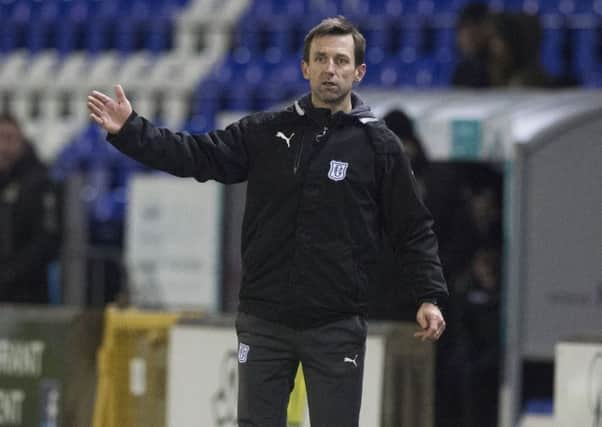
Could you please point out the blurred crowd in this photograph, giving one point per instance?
(500, 49)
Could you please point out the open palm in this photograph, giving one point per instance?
(108, 113)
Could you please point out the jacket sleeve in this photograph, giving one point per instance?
(408, 224)
(219, 155)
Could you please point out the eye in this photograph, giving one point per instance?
(342, 60)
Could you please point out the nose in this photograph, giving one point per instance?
(330, 66)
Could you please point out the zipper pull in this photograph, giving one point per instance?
(321, 135)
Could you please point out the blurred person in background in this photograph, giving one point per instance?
(472, 39)
(514, 46)
(29, 218)
(401, 125)
(473, 209)
(477, 220)
(478, 353)
(326, 180)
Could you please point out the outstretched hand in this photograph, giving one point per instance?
(108, 113)
(431, 321)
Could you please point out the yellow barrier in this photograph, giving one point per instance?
(132, 369)
(297, 402)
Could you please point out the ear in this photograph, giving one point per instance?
(360, 72)
(305, 69)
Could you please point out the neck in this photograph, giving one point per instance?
(343, 104)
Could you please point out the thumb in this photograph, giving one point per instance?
(120, 94)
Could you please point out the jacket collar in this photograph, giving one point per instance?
(360, 111)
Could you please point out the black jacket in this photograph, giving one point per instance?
(29, 230)
(322, 189)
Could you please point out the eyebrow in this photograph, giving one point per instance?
(337, 56)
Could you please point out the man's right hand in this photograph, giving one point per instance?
(108, 113)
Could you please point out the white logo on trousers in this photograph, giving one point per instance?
(350, 360)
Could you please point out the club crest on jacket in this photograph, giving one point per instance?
(243, 352)
(338, 170)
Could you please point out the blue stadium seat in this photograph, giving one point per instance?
(587, 51)
(372, 77)
(274, 37)
(391, 72)
(444, 44)
(287, 72)
(593, 79)
(72, 26)
(375, 32)
(588, 6)
(385, 8)
(267, 95)
(562, 7)
(410, 40)
(81, 153)
(551, 51)
(325, 8)
(422, 73)
(256, 70)
(158, 36)
(246, 36)
(6, 8)
(516, 5)
(12, 35)
(206, 99)
(237, 96)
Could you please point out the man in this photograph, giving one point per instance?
(325, 180)
(29, 219)
(472, 36)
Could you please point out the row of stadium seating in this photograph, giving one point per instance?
(97, 25)
(92, 25)
(208, 55)
(267, 9)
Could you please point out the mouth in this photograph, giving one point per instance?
(330, 85)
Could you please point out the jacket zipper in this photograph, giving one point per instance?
(298, 158)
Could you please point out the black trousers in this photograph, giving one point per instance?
(333, 364)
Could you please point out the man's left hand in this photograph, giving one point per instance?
(431, 321)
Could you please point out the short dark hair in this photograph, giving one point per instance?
(337, 26)
(473, 13)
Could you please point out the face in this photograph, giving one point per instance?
(331, 71)
(11, 145)
(471, 38)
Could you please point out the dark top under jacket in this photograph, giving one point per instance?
(323, 189)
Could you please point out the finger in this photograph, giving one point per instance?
(120, 94)
(96, 102)
(97, 119)
(101, 96)
(425, 336)
(421, 320)
(95, 109)
(435, 328)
